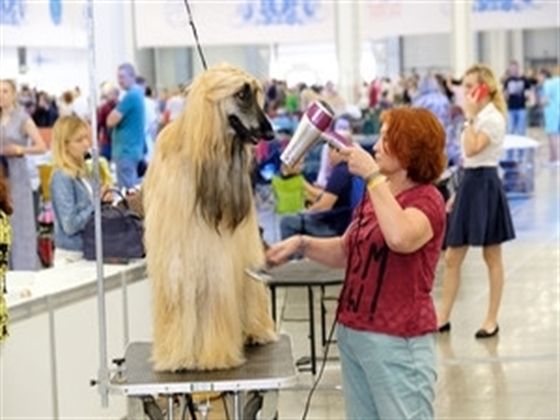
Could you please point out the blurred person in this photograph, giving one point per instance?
(151, 119)
(479, 211)
(19, 137)
(66, 104)
(70, 187)
(431, 97)
(175, 104)
(331, 211)
(44, 114)
(127, 121)
(5, 244)
(341, 126)
(109, 99)
(81, 105)
(516, 88)
(334, 98)
(385, 317)
(550, 101)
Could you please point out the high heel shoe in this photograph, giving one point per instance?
(445, 327)
(482, 333)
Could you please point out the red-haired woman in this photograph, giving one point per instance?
(5, 244)
(386, 317)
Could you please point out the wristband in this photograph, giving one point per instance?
(373, 180)
(19, 151)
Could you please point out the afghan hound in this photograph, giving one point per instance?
(201, 228)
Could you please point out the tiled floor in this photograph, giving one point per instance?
(515, 375)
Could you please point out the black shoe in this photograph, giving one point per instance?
(482, 333)
(445, 327)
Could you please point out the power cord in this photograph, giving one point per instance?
(321, 370)
(331, 332)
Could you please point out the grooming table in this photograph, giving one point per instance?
(306, 273)
(268, 367)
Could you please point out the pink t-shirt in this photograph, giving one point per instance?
(385, 291)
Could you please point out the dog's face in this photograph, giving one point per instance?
(245, 115)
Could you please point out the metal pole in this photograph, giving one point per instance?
(124, 287)
(103, 374)
(54, 368)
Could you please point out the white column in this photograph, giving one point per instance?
(110, 39)
(516, 48)
(496, 48)
(462, 38)
(348, 36)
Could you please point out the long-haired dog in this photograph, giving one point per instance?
(201, 227)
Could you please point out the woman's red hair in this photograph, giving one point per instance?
(5, 199)
(417, 139)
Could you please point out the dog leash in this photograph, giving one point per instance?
(195, 34)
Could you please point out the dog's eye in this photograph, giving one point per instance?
(245, 93)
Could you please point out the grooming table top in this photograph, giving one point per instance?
(267, 367)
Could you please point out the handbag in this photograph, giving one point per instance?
(122, 233)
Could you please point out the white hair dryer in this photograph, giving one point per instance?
(313, 125)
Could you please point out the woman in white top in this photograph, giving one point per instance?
(479, 212)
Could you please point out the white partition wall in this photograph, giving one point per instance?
(53, 352)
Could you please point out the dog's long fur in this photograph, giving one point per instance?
(202, 231)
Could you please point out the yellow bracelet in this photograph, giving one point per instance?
(374, 180)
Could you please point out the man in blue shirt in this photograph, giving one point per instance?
(127, 121)
(331, 212)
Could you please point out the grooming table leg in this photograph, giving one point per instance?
(170, 407)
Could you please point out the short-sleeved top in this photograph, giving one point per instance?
(339, 184)
(491, 122)
(128, 136)
(289, 192)
(515, 86)
(385, 291)
(551, 92)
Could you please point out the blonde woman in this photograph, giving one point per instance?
(19, 137)
(70, 187)
(479, 213)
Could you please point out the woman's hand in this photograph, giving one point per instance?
(472, 107)
(280, 252)
(449, 203)
(11, 149)
(360, 162)
(106, 194)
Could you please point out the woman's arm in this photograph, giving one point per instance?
(38, 145)
(326, 251)
(311, 191)
(404, 230)
(72, 215)
(474, 142)
(325, 201)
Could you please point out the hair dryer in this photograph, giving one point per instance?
(313, 125)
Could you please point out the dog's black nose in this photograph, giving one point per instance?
(267, 132)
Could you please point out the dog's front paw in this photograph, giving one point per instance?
(266, 336)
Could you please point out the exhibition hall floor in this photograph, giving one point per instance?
(513, 375)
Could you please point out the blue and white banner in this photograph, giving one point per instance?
(41, 23)
(234, 22)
